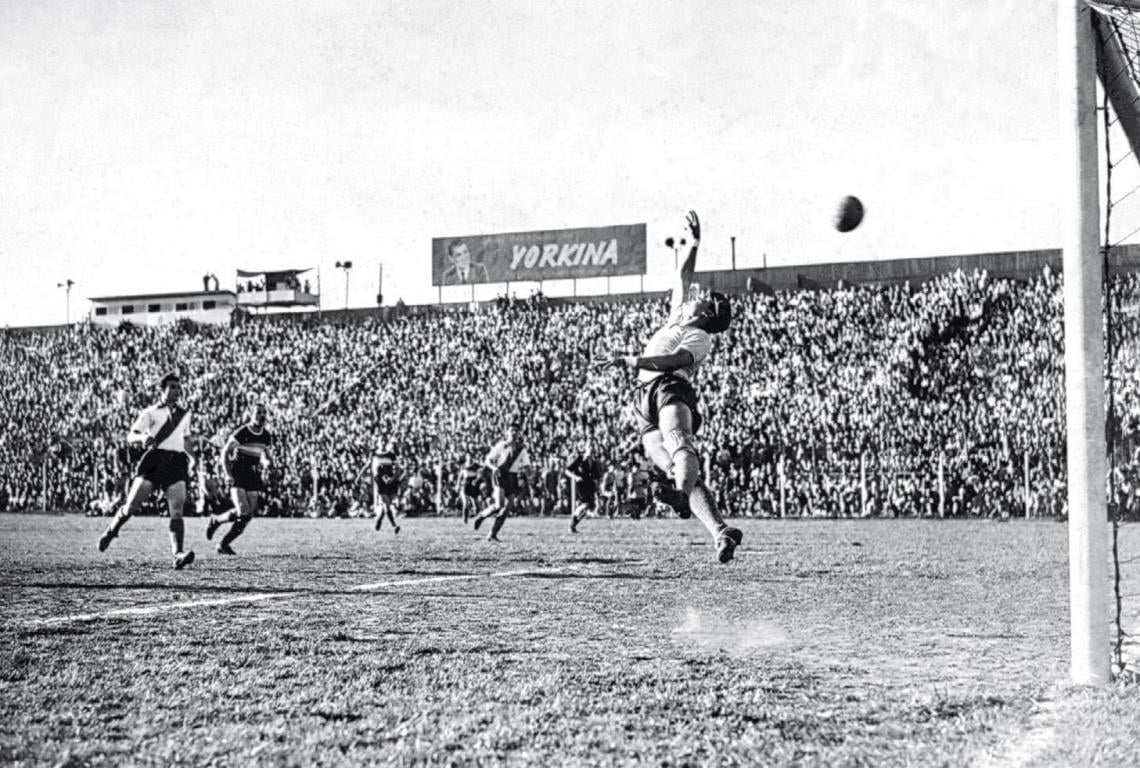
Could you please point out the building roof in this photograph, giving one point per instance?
(154, 296)
(277, 272)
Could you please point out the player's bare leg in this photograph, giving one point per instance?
(577, 516)
(675, 422)
(664, 487)
(239, 510)
(499, 509)
(491, 510)
(176, 501)
(139, 492)
(246, 504)
(500, 519)
(384, 511)
(232, 515)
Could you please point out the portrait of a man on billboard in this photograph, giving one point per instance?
(461, 268)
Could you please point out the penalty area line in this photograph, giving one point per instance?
(153, 610)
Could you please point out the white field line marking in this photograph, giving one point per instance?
(151, 610)
(453, 577)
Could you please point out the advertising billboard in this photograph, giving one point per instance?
(556, 254)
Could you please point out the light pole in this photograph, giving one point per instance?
(66, 285)
(676, 246)
(345, 265)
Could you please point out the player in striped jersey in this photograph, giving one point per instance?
(245, 455)
(506, 460)
(666, 405)
(385, 484)
(467, 487)
(161, 429)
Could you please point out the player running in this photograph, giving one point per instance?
(666, 406)
(385, 484)
(506, 460)
(584, 472)
(161, 429)
(244, 458)
(638, 497)
(467, 487)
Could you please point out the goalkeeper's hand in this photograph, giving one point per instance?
(693, 224)
(618, 361)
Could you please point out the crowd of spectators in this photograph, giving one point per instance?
(939, 399)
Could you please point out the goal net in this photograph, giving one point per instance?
(1116, 32)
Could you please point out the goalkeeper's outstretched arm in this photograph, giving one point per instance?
(688, 265)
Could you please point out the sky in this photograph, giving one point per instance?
(143, 144)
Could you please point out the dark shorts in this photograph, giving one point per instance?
(655, 395)
(387, 489)
(508, 482)
(587, 494)
(163, 469)
(471, 490)
(248, 479)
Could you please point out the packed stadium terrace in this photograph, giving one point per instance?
(944, 398)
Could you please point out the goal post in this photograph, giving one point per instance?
(1084, 345)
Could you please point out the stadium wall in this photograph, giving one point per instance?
(1017, 265)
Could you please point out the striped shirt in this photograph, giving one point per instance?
(505, 453)
(384, 468)
(150, 422)
(252, 444)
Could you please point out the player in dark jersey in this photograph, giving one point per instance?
(506, 460)
(549, 480)
(467, 487)
(667, 400)
(584, 471)
(385, 484)
(162, 430)
(639, 493)
(245, 455)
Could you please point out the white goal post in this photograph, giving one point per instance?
(1084, 345)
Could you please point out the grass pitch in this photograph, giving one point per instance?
(324, 642)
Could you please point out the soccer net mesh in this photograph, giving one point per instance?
(1117, 26)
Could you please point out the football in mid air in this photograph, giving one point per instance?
(849, 214)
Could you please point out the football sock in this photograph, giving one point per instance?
(177, 533)
(235, 530)
(119, 520)
(704, 508)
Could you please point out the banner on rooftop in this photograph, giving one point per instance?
(544, 255)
